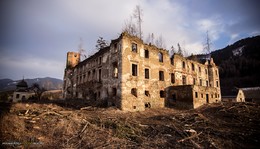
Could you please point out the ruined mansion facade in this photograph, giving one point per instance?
(133, 76)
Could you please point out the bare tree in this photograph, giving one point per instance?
(172, 51)
(80, 49)
(207, 45)
(160, 42)
(152, 38)
(180, 50)
(185, 52)
(37, 90)
(129, 27)
(148, 39)
(137, 14)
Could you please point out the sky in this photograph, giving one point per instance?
(35, 36)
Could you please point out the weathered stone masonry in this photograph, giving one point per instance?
(133, 76)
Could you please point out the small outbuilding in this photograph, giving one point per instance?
(252, 94)
(233, 94)
(21, 92)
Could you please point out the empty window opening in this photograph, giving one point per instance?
(95, 96)
(172, 60)
(134, 47)
(196, 94)
(217, 83)
(146, 53)
(183, 64)
(134, 70)
(134, 92)
(80, 79)
(98, 94)
(89, 76)
(100, 60)
(207, 98)
(94, 73)
(207, 83)
(174, 98)
(216, 72)
(147, 93)
(206, 71)
(99, 75)
(146, 73)
(147, 105)
(115, 70)
(200, 82)
(211, 95)
(161, 75)
(192, 65)
(216, 95)
(199, 69)
(184, 80)
(134, 107)
(113, 92)
(160, 57)
(172, 78)
(115, 47)
(17, 95)
(194, 81)
(84, 78)
(162, 94)
(77, 80)
(201, 95)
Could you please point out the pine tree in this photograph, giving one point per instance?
(101, 43)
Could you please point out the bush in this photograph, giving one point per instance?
(4, 97)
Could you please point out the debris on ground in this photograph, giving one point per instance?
(62, 125)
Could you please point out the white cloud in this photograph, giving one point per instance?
(233, 38)
(50, 29)
(255, 33)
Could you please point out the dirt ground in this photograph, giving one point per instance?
(70, 124)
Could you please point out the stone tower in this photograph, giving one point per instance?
(73, 59)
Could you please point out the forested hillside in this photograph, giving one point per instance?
(239, 63)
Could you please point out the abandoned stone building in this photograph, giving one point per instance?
(133, 76)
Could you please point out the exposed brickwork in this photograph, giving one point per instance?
(133, 76)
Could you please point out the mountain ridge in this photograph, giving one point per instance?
(239, 63)
(46, 82)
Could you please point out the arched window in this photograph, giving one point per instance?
(160, 57)
(183, 64)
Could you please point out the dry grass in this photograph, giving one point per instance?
(222, 125)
